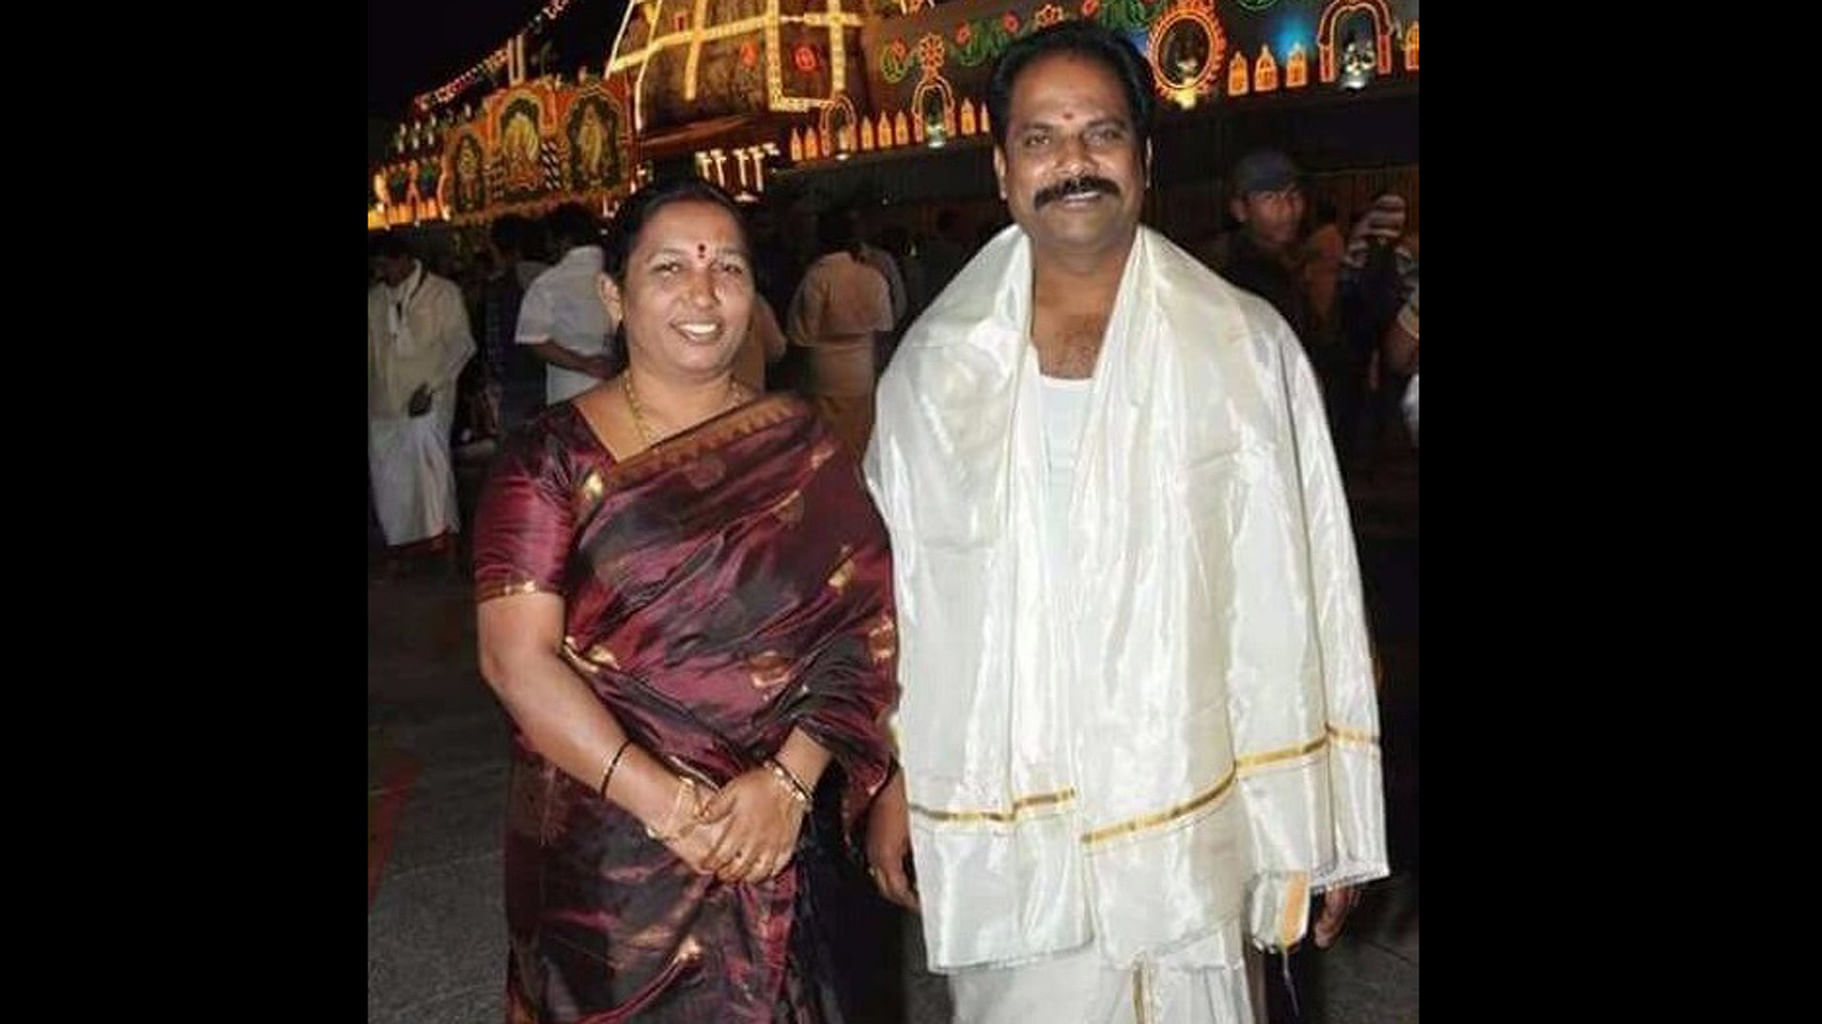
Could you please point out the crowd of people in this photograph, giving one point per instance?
(527, 306)
(1021, 566)
(530, 302)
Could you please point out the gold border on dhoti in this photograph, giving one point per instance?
(1021, 804)
(1242, 766)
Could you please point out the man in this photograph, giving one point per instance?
(882, 261)
(1400, 354)
(896, 240)
(1138, 726)
(1322, 255)
(417, 344)
(943, 253)
(1374, 277)
(1265, 255)
(516, 375)
(841, 308)
(562, 318)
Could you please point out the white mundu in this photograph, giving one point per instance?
(1140, 736)
(417, 335)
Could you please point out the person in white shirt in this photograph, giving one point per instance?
(884, 262)
(418, 340)
(1138, 727)
(561, 316)
(840, 307)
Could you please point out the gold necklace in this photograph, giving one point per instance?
(644, 428)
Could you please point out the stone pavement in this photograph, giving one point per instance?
(436, 949)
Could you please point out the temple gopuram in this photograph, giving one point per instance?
(883, 101)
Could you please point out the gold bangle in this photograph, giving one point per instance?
(797, 789)
(608, 776)
(685, 785)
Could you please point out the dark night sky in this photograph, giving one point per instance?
(416, 45)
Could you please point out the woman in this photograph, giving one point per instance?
(837, 311)
(685, 606)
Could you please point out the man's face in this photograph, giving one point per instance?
(1071, 172)
(1272, 218)
(393, 269)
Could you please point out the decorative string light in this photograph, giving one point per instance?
(490, 64)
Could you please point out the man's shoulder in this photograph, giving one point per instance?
(1202, 297)
(440, 286)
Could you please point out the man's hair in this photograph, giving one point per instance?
(390, 245)
(1325, 211)
(1083, 39)
(895, 239)
(643, 205)
(509, 233)
(948, 219)
(837, 230)
(572, 225)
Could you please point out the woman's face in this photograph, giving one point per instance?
(688, 294)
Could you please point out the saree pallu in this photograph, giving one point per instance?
(720, 589)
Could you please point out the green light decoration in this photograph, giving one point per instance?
(973, 43)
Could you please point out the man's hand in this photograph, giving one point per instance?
(420, 401)
(1337, 903)
(601, 367)
(889, 843)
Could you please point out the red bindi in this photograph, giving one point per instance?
(702, 251)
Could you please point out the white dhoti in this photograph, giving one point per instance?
(414, 488)
(1082, 988)
(417, 340)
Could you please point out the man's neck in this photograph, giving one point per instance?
(1072, 299)
(410, 276)
(1284, 255)
(1072, 282)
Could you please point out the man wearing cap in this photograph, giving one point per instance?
(1267, 257)
(1263, 257)
(1138, 728)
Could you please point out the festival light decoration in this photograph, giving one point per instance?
(493, 62)
(1265, 71)
(1183, 71)
(1329, 60)
(1297, 68)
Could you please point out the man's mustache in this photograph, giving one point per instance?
(1087, 184)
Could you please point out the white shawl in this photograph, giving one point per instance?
(1193, 748)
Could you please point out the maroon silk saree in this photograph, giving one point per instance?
(719, 589)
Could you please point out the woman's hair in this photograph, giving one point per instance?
(643, 205)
